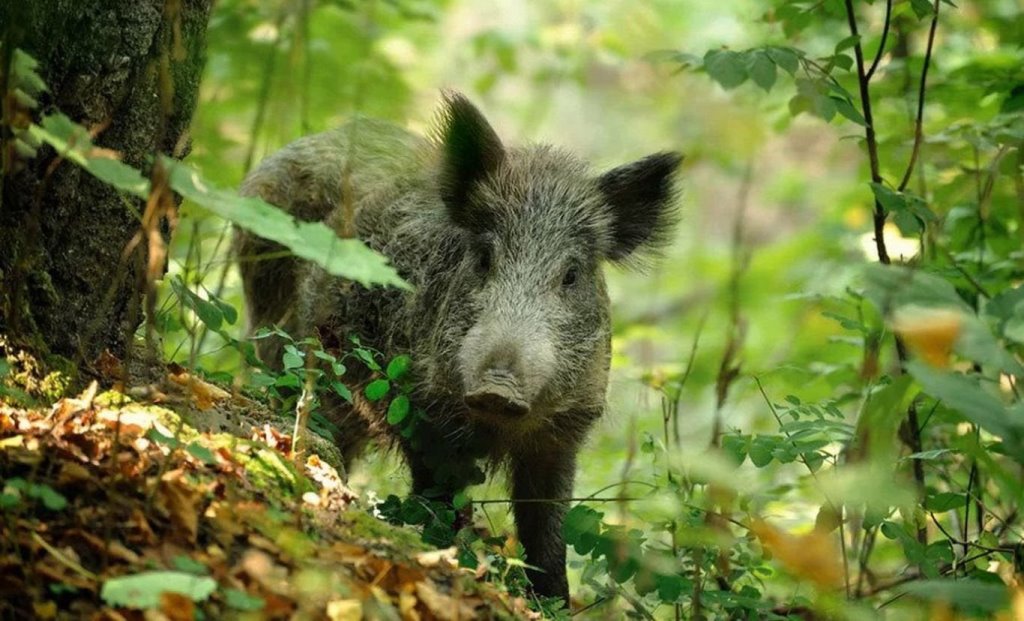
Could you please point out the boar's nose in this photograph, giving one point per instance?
(498, 393)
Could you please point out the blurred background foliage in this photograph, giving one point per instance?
(751, 306)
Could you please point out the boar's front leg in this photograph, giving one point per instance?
(544, 475)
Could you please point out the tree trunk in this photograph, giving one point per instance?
(129, 71)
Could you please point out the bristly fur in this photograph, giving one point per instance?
(504, 247)
(470, 151)
(644, 201)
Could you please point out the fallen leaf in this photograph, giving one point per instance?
(181, 502)
(443, 606)
(433, 558)
(407, 606)
(45, 610)
(177, 607)
(203, 394)
(345, 610)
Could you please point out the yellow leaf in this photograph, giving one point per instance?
(928, 332)
(345, 610)
(812, 557)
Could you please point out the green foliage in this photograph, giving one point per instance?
(16, 489)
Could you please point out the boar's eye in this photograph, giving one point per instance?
(571, 276)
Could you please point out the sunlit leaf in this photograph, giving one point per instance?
(142, 591)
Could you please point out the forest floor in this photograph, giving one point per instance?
(113, 508)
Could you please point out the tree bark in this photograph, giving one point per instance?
(129, 71)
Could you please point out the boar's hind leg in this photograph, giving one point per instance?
(539, 524)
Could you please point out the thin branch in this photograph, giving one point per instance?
(881, 44)
(918, 134)
(869, 134)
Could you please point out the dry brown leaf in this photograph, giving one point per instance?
(443, 606)
(433, 558)
(204, 395)
(181, 502)
(177, 607)
(345, 610)
(407, 605)
(72, 472)
(260, 567)
(45, 610)
(812, 556)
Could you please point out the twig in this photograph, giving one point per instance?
(65, 559)
(869, 134)
(918, 134)
(945, 570)
(594, 604)
(881, 44)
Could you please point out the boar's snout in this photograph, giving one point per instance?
(498, 393)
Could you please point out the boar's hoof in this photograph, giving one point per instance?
(497, 400)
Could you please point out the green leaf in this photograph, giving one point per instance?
(735, 446)
(201, 453)
(155, 436)
(51, 498)
(397, 410)
(240, 600)
(342, 390)
(72, 141)
(931, 455)
(314, 241)
(922, 8)
(784, 57)
(367, 358)
(848, 111)
(228, 311)
(761, 450)
(726, 67)
(672, 586)
(880, 418)
(581, 528)
(892, 286)
(761, 69)
(398, 367)
(207, 312)
(944, 501)
(961, 592)
(189, 565)
(460, 500)
(9, 501)
(376, 389)
(846, 43)
(24, 68)
(142, 591)
(964, 395)
(291, 360)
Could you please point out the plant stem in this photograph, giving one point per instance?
(881, 44)
(869, 134)
(918, 134)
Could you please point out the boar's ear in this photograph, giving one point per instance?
(642, 199)
(470, 150)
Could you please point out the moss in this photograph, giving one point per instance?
(364, 526)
